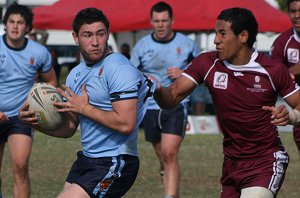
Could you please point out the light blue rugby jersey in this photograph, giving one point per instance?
(154, 57)
(112, 79)
(18, 69)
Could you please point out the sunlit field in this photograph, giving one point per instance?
(200, 158)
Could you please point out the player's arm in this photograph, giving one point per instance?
(281, 116)
(294, 102)
(295, 69)
(174, 72)
(169, 97)
(49, 77)
(122, 118)
(67, 128)
(3, 117)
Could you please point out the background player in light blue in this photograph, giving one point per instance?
(21, 60)
(162, 55)
(108, 97)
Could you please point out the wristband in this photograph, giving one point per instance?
(294, 116)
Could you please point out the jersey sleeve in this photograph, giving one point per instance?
(199, 67)
(277, 50)
(134, 58)
(283, 81)
(45, 61)
(124, 81)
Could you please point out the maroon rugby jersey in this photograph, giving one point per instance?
(286, 48)
(238, 94)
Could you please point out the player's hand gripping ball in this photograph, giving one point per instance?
(40, 99)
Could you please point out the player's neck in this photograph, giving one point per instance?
(168, 37)
(15, 43)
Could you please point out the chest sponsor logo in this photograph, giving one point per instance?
(220, 80)
(238, 74)
(293, 55)
(2, 58)
(257, 87)
(77, 77)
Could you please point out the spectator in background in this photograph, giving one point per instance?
(162, 56)
(21, 60)
(125, 50)
(286, 49)
(244, 85)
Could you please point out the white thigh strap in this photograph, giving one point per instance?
(256, 192)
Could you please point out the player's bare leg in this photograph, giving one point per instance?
(2, 146)
(20, 149)
(170, 145)
(296, 134)
(74, 191)
(157, 149)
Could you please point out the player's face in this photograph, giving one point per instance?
(228, 45)
(92, 40)
(15, 29)
(161, 23)
(294, 14)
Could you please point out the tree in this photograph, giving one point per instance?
(282, 4)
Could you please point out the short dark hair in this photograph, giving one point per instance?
(288, 2)
(24, 11)
(161, 7)
(89, 16)
(241, 19)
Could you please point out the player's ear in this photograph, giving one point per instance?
(244, 35)
(75, 37)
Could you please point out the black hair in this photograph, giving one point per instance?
(24, 11)
(89, 16)
(241, 19)
(288, 2)
(161, 7)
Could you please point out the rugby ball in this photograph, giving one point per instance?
(40, 99)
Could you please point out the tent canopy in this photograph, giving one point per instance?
(132, 15)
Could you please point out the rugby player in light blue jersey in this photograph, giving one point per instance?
(162, 56)
(107, 97)
(21, 60)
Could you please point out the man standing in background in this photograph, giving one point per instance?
(286, 49)
(21, 59)
(162, 56)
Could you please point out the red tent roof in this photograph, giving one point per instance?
(131, 15)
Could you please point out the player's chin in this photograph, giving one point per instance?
(95, 56)
(221, 55)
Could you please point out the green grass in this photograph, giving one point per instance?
(200, 158)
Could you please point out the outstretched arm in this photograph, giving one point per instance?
(169, 97)
(281, 116)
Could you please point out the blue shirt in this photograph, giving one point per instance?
(153, 57)
(18, 70)
(112, 79)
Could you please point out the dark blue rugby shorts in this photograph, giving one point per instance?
(104, 176)
(14, 126)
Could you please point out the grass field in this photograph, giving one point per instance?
(200, 158)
